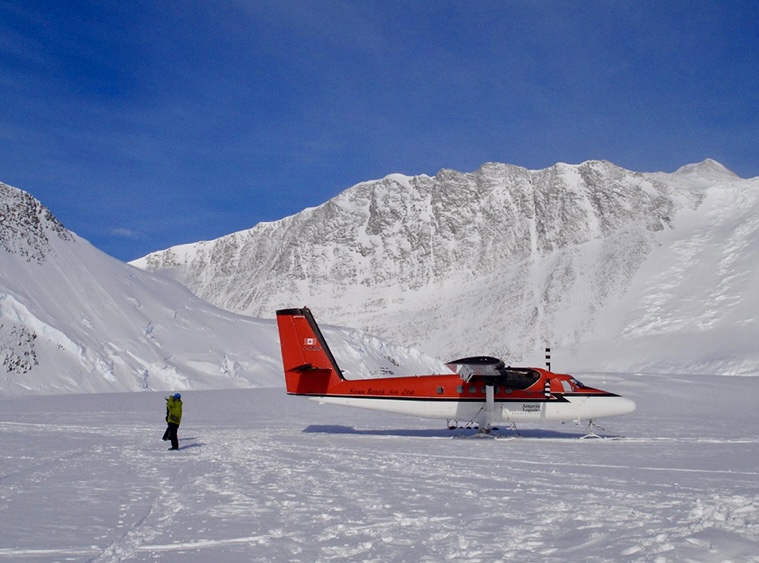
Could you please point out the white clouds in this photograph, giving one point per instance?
(127, 233)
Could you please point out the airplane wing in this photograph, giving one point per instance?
(494, 372)
(486, 366)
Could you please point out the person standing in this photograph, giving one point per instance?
(174, 419)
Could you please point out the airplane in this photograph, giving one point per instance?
(480, 390)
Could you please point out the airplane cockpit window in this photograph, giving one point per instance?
(577, 384)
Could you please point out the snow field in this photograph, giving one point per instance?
(267, 477)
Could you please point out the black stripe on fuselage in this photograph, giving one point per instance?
(557, 397)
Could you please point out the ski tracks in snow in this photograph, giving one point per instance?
(284, 496)
(251, 484)
(136, 524)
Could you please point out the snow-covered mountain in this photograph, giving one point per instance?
(616, 270)
(73, 319)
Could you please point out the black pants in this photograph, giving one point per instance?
(172, 432)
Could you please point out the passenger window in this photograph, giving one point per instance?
(460, 389)
(472, 389)
(439, 390)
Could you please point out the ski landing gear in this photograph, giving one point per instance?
(593, 435)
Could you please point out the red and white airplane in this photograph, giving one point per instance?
(480, 390)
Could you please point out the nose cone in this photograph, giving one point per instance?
(625, 406)
(600, 407)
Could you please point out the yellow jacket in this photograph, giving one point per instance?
(174, 410)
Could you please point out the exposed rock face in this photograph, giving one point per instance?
(498, 261)
(25, 225)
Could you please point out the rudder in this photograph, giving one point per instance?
(308, 363)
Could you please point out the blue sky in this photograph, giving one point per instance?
(146, 124)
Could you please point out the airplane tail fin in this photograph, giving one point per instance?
(309, 365)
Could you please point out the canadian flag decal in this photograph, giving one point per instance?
(309, 341)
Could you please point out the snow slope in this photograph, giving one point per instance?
(694, 301)
(596, 261)
(73, 319)
(261, 476)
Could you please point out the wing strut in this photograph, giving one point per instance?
(488, 416)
